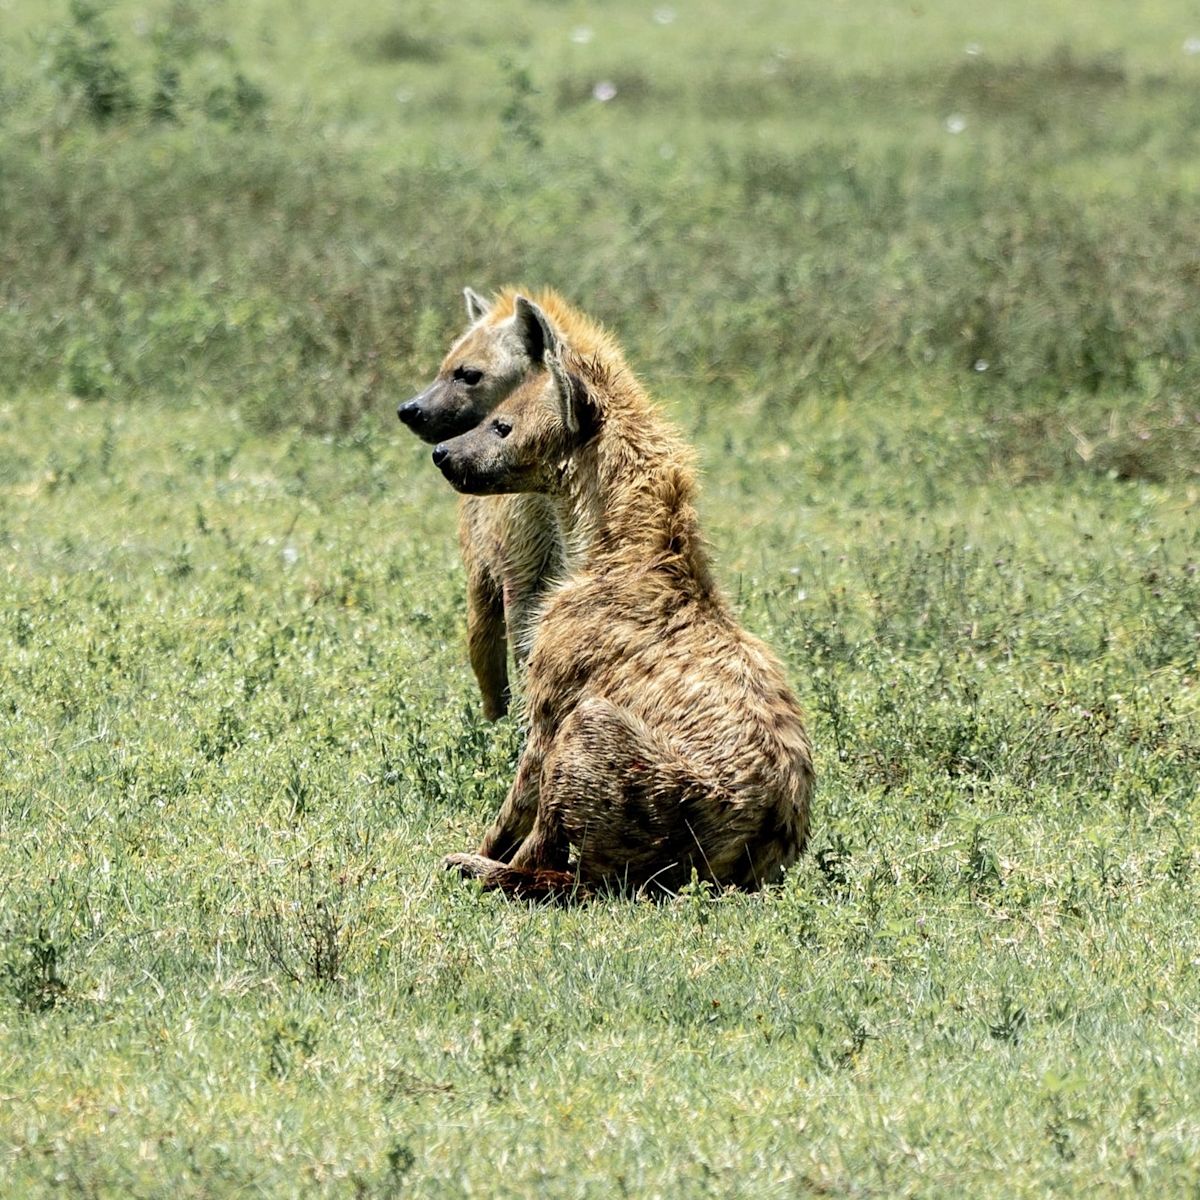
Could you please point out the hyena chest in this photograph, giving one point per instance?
(527, 549)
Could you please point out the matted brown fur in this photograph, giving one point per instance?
(663, 738)
(511, 545)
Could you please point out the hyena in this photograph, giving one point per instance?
(511, 544)
(663, 739)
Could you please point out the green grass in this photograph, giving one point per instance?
(237, 723)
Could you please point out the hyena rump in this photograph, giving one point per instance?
(663, 739)
(511, 545)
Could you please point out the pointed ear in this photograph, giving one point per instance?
(534, 330)
(567, 397)
(581, 416)
(477, 306)
(544, 346)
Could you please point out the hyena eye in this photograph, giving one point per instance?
(468, 375)
(502, 428)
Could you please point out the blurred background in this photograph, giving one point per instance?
(983, 216)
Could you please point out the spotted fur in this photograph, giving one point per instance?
(663, 739)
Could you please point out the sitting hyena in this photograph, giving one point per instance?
(511, 545)
(662, 737)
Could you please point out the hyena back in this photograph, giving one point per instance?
(511, 545)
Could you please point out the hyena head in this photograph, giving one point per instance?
(522, 444)
(482, 368)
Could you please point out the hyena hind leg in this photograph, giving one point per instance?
(540, 884)
(635, 810)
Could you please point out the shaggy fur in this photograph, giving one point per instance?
(663, 738)
(511, 545)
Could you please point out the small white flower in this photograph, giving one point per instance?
(604, 91)
(955, 123)
(664, 16)
(581, 35)
(981, 365)
(972, 49)
(290, 555)
(403, 95)
(1191, 45)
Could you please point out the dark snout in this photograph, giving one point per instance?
(466, 463)
(419, 412)
(410, 413)
(453, 466)
(435, 413)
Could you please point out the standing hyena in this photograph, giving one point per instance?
(662, 737)
(511, 545)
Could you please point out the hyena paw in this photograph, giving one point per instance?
(469, 866)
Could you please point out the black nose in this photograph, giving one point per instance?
(439, 455)
(409, 412)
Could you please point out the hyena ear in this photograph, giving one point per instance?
(564, 387)
(477, 306)
(543, 345)
(581, 415)
(534, 330)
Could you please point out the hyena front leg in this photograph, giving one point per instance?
(517, 824)
(577, 772)
(515, 819)
(487, 643)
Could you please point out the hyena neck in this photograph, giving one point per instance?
(629, 503)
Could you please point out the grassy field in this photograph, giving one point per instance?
(922, 283)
